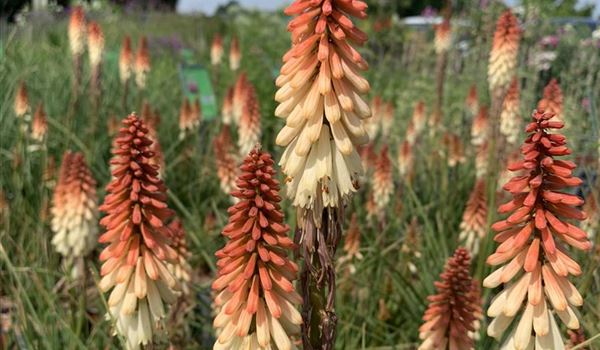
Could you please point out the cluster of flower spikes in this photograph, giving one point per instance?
(74, 208)
(533, 243)
(135, 261)
(255, 296)
(319, 95)
(451, 317)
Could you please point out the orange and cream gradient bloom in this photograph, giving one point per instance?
(383, 183)
(503, 55)
(39, 125)
(406, 160)
(74, 208)
(139, 251)
(95, 44)
(190, 116)
(472, 100)
(474, 222)
(239, 97)
(227, 107)
(21, 100)
(216, 50)
(225, 160)
(77, 31)
(249, 131)
(532, 258)
(320, 88)
(235, 55)
(552, 101)
(254, 291)
(443, 37)
(451, 317)
(480, 129)
(510, 118)
(126, 61)
(142, 63)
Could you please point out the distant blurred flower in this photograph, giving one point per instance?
(472, 100)
(235, 55)
(443, 37)
(21, 100)
(39, 126)
(591, 224)
(239, 96)
(182, 269)
(225, 160)
(383, 182)
(387, 119)
(429, 12)
(95, 44)
(480, 127)
(249, 130)
(542, 60)
(227, 107)
(77, 31)
(503, 55)
(586, 104)
(406, 161)
(510, 117)
(216, 50)
(142, 63)
(482, 160)
(552, 101)
(550, 41)
(473, 227)
(126, 60)
(192, 87)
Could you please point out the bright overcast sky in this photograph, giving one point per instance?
(209, 6)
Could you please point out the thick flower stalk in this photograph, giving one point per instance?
(319, 95)
(480, 129)
(254, 291)
(552, 101)
(182, 270)
(77, 37)
(39, 126)
(227, 107)
(249, 131)
(510, 117)
(383, 183)
(473, 227)
(21, 100)
(126, 62)
(74, 208)
(532, 255)
(503, 55)
(225, 160)
(189, 117)
(239, 97)
(452, 312)
(235, 55)
(135, 261)
(142, 63)
(443, 37)
(216, 50)
(472, 101)
(406, 161)
(95, 51)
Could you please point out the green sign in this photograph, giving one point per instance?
(197, 84)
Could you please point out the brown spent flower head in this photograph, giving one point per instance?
(182, 270)
(473, 227)
(142, 63)
(95, 44)
(227, 108)
(249, 131)
(503, 55)
(21, 100)
(225, 160)
(443, 37)
(472, 100)
(239, 97)
(532, 255)
(126, 60)
(39, 127)
(510, 118)
(552, 102)
(255, 295)
(452, 312)
(235, 55)
(74, 208)
(406, 161)
(139, 242)
(480, 128)
(216, 50)
(77, 31)
(383, 183)
(320, 89)
(189, 117)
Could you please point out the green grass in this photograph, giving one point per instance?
(52, 311)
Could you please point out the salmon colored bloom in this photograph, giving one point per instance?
(472, 100)
(135, 261)
(373, 124)
(74, 208)
(406, 160)
(77, 31)
(552, 102)
(482, 160)
(21, 100)
(225, 160)
(126, 61)
(510, 117)
(39, 127)
(452, 312)
(142, 63)
(443, 37)
(418, 120)
(387, 119)
(239, 97)
(383, 183)
(189, 117)
(249, 131)
(320, 88)
(503, 55)
(182, 270)
(216, 50)
(227, 108)
(235, 55)
(473, 227)
(455, 149)
(95, 40)
(480, 129)
(533, 259)
(254, 291)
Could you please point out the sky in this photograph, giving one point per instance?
(209, 6)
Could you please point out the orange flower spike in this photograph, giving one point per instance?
(182, 269)
(142, 63)
(227, 107)
(95, 44)
(472, 100)
(225, 160)
(443, 37)
(534, 239)
(254, 291)
(39, 127)
(77, 31)
(249, 131)
(406, 160)
(451, 318)
(235, 55)
(503, 55)
(216, 50)
(239, 97)
(21, 100)
(474, 223)
(480, 127)
(383, 183)
(552, 101)
(126, 62)
(135, 261)
(510, 118)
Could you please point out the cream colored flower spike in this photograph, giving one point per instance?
(319, 97)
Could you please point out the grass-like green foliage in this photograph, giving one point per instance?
(52, 311)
